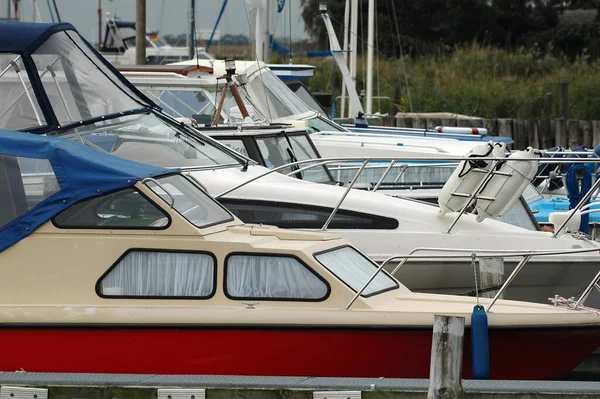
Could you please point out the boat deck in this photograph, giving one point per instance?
(90, 386)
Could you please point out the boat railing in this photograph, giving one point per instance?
(573, 303)
(306, 164)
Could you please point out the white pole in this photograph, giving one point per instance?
(345, 48)
(353, 47)
(370, 44)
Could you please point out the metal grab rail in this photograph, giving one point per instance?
(318, 162)
(500, 253)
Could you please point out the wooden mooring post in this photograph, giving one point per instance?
(491, 273)
(445, 372)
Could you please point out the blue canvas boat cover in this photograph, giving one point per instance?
(70, 81)
(41, 176)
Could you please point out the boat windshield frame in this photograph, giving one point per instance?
(182, 131)
(191, 185)
(293, 144)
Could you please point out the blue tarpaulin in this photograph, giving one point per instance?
(81, 172)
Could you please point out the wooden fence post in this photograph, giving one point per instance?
(546, 134)
(534, 133)
(586, 129)
(419, 123)
(574, 136)
(491, 274)
(595, 133)
(445, 371)
(560, 133)
(563, 100)
(505, 127)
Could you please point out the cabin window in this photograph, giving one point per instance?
(272, 277)
(125, 209)
(286, 215)
(24, 183)
(354, 270)
(19, 107)
(189, 200)
(160, 274)
(236, 145)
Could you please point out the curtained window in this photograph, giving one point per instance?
(161, 274)
(276, 277)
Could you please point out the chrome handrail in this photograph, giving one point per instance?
(317, 162)
(500, 253)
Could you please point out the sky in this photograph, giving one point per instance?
(168, 16)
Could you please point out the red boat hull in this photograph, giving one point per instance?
(287, 351)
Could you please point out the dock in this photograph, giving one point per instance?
(130, 386)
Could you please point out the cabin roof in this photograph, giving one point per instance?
(26, 37)
(62, 171)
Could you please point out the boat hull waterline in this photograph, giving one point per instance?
(323, 351)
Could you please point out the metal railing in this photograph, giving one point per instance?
(527, 255)
(307, 164)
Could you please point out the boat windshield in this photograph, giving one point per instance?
(320, 124)
(149, 139)
(274, 98)
(354, 270)
(288, 148)
(189, 200)
(531, 194)
(79, 87)
(200, 103)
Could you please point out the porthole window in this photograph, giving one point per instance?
(160, 274)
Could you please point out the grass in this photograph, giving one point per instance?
(475, 80)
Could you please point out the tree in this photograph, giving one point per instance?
(439, 25)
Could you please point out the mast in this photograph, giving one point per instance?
(370, 44)
(262, 28)
(99, 24)
(140, 32)
(192, 35)
(345, 49)
(353, 49)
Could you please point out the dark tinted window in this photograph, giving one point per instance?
(299, 216)
(123, 209)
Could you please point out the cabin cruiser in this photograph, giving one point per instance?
(87, 100)
(171, 274)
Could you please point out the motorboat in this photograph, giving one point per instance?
(118, 45)
(196, 95)
(89, 101)
(280, 104)
(137, 264)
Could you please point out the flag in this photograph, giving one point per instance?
(280, 4)
(153, 36)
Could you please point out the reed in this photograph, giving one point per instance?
(475, 80)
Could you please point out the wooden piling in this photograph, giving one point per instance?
(595, 133)
(574, 134)
(445, 372)
(491, 274)
(586, 129)
(560, 133)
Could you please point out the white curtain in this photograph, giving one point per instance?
(355, 270)
(171, 274)
(271, 277)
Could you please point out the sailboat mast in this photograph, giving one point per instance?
(353, 47)
(192, 33)
(345, 48)
(370, 44)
